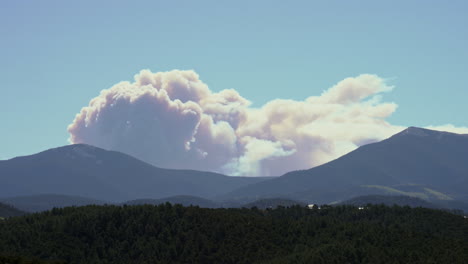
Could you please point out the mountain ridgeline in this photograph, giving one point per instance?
(133, 218)
(87, 171)
(436, 162)
(420, 163)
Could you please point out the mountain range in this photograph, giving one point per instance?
(435, 163)
(87, 171)
(416, 162)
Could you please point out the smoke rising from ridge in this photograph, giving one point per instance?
(173, 120)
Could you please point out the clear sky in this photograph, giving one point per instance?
(57, 55)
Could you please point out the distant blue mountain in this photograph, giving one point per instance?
(87, 171)
(416, 162)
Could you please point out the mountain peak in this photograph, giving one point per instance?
(73, 147)
(417, 131)
(422, 132)
(413, 156)
(78, 151)
(84, 151)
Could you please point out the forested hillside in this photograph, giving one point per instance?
(389, 200)
(184, 200)
(8, 210)
(177, 234)
(272, 203)
(44, 202)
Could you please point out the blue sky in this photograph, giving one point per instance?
(57, 55)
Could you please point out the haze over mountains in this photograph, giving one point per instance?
(436, 162)
(44, 202)
(8, 211)
(416, 162)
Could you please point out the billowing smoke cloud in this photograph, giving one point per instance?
(173, 120)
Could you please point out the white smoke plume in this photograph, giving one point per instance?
(173, 120)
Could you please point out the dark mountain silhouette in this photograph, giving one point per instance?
(7, 210)
(414, 156)
(185, 200)
(44, 202)
(87, 171)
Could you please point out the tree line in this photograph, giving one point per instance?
(176, 234)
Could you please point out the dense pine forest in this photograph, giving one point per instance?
(176, 234)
